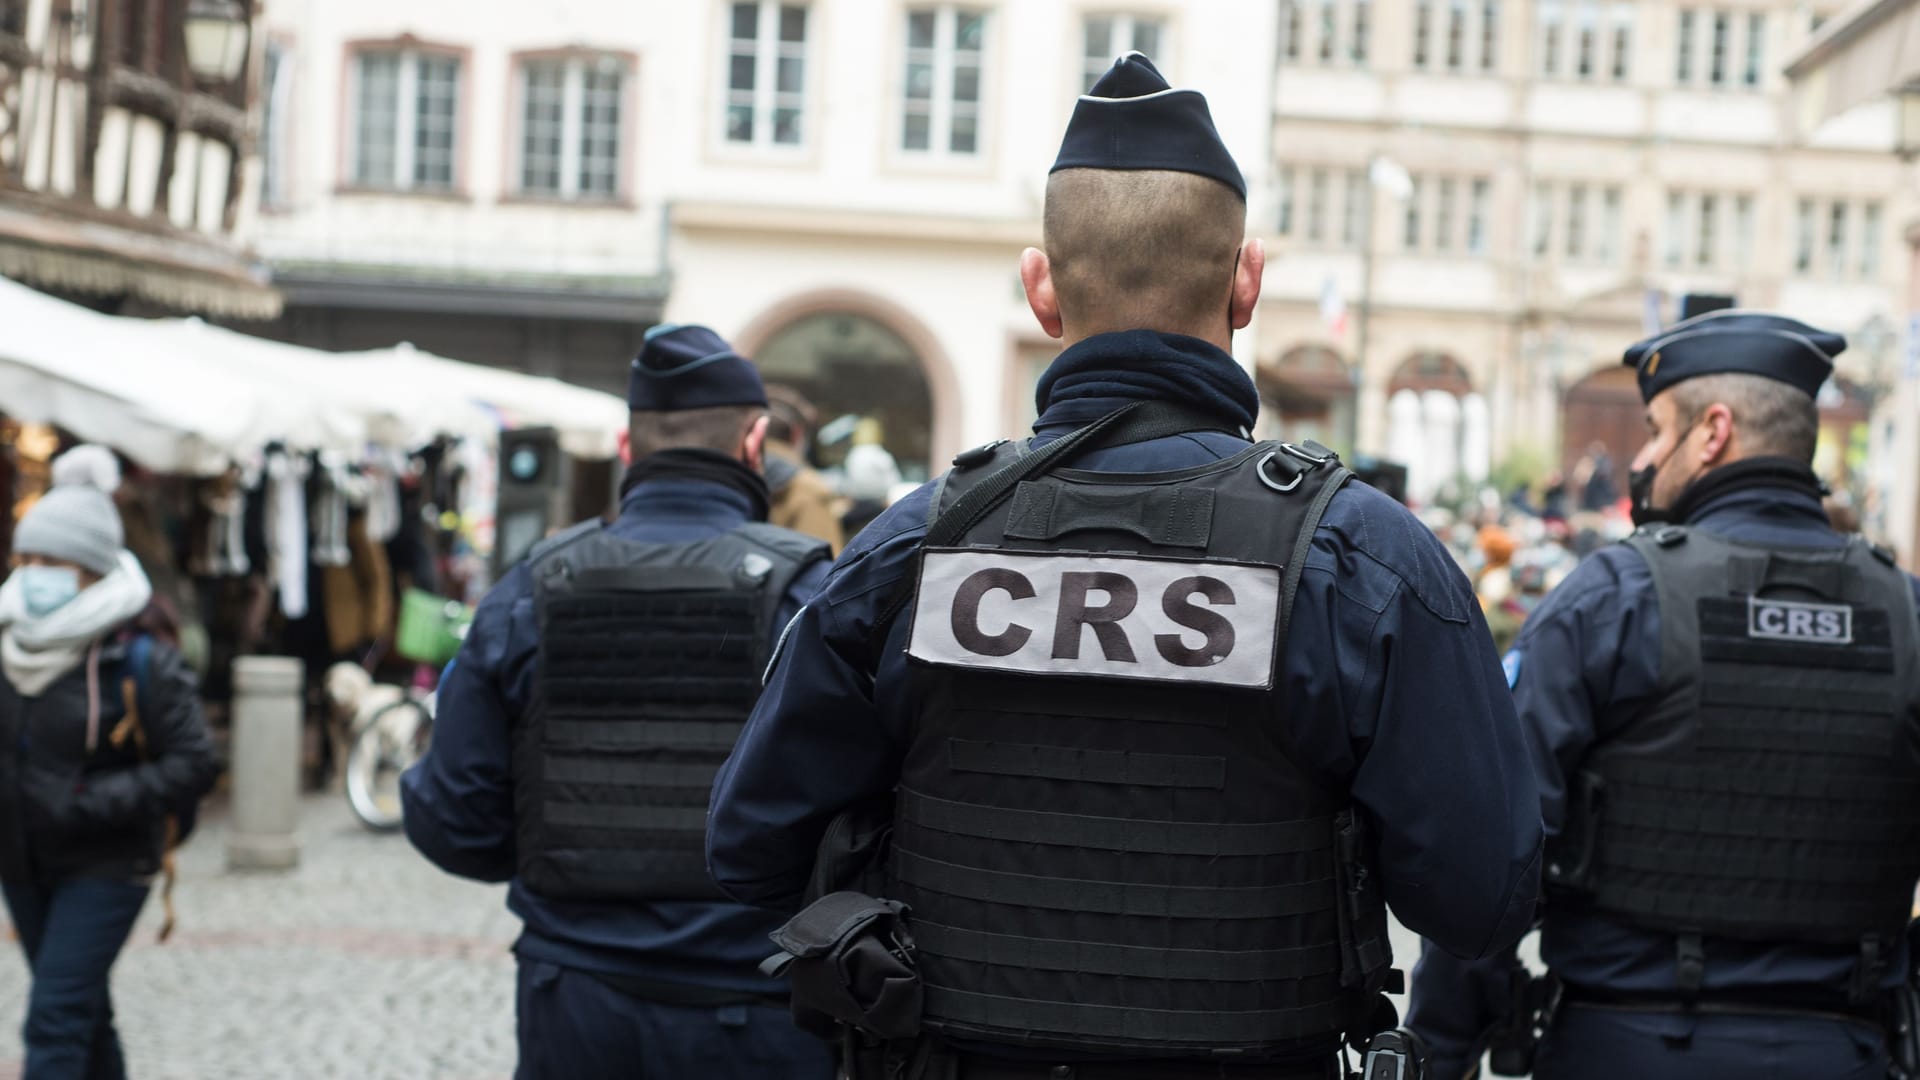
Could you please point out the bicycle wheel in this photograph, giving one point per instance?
(390, 742)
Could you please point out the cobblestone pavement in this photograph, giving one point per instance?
(364, 963)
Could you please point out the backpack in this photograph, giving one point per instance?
(135, 687)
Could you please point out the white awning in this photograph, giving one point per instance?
(1861, 55)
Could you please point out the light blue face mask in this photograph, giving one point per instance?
(47, 589)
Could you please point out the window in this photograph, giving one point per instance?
(1283, 181)
(1293, 29)
(1551, 30)
(1443, 215)
(1756, 47)
(13, 17)
(1109, 36)
(766, 74)
(1477, 219)
(945, 49)
(405, 115)
(1707, 220)
(1317, 206)
(1456, 34)
(1622, 42)
(1683, 54)
(1422, 34)
(144, 40)
(1542, 213)
(1362, 32)
(1717, 56)
(1586, 53)
(1355, 204)
(1837, 239)
(570, 126)
(1577, 221)
(1328, 30)
(1410, 236)
(1870, 241)
(1676, 228)
(1605, 243)
(276, 91)
(1742, 231)
(1489, 34)
(1803, 236)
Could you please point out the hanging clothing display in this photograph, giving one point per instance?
(327, 515)
(286, 521)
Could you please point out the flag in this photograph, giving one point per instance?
(1333, 307)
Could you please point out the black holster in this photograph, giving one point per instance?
(850, 961)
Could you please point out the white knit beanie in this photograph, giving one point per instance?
(77, 522)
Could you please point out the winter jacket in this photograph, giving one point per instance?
(68, 809)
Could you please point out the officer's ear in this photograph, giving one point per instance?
(753, 449)
(1036, 275)
(1247, 271)
(1719, 445)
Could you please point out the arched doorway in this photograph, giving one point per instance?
(855, 369)
(1438, 426)
(1308, 394)
(1603, 425)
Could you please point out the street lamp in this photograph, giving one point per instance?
(216, 33)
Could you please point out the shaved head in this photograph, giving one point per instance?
(1142, 249)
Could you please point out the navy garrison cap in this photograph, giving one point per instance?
(691, 367)
(1132, 119)
(1739, 343)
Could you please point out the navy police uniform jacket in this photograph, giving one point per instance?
(1388, 668)
(459, 798)
(1585, 661)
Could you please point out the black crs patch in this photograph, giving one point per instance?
(1789, 620)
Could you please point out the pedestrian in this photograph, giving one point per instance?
(802, 499)
(1721, 710)
(1147, 810)
(578, 730)
(109, 747)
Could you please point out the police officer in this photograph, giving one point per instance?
(1169, 713)
(602, 683)
(1721, 710)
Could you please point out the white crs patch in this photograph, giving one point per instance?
(1789, 620)
(1111, 616)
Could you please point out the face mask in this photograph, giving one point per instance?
(1640, 488)
(47, 589)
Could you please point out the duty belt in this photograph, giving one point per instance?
(1801, 1000)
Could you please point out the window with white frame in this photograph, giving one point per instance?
(1742, 230)
(1443, 213)
(406, 115)
(946, 52)
(1699, 224)
(1587, 40)
(1837, 239)
(1456, 35)
(1329, 32)
(1283, 190)
(766, 73)
(1720, 48)
(1477, 217)
(1466, 37)
(1803, 236)
(1411, 234)
(570, 126)
(1422, 34)
(276, 91)
(1541, 214)
(1110, 36)
(1354, 205)
(1606, 242)
(1577, 221)
(1327, 29)
(1292, 30)
(1489, 34)
(1362, 37)
(1867, 266)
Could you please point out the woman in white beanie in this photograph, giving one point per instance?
(111, 745)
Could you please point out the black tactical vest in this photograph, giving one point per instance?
(1103, 842)
(1771, 790)
(650, 660)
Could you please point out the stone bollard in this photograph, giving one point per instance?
(267, 708)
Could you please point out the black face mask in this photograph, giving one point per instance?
(1640, 489)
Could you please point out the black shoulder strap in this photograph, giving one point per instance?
(562, 539)
(1309, 524)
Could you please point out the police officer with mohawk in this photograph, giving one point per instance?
(1723, 719)
(1160, 720)
(603, 681)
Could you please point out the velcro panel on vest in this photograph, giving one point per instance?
(1791, 813)
(644, 693)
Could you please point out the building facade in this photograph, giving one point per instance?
(125, 175)
(1480, 203)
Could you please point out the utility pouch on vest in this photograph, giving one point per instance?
(850, 960)
(1570, 864)
(1364, 951)
(852, 855)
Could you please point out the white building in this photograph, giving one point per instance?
(843, 187)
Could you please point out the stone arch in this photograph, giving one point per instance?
(1309, 393)
(1438, 423)
(936, 368)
